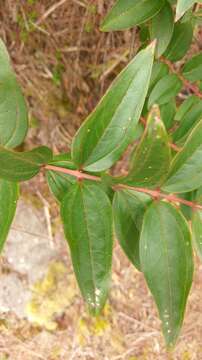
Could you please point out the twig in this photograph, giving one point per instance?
(155, 194)
(192, 87)
(121, 58)
(50, 11)
(47, 217)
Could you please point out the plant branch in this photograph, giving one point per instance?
(187, 84)
(155, 194)
(76, 173)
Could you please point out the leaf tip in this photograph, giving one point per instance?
(104, 27)
(152, 45)
(177, 16)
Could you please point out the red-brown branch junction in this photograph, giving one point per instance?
(155, 194)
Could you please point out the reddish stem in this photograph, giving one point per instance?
(175, 147)
(187, 84)
(76, 173)
(156, 194)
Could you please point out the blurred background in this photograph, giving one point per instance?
(64, 65)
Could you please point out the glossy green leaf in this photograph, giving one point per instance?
(166, 261)
(87, 217)
(59, 183)
(186, 106)
(168, 112)
(107, 132)
(180, 42)
(63, 160)
(192, 70)
(189, 119)
(128, 13)
(150, 161)
(187, 210)
(182, 7)
(13, 112)
(8, 202)
(162, 26)
(186, 169)
(128, 209)
(197, 225)
(159, 70)
(165, 90)
(20, 166)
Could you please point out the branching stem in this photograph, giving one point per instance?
(155, 194)
(187, 84)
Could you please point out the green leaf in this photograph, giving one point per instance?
(107, 132)
(13, 111)
(128, 209)
(197, 225)
(186, 106)
(186, 169)
(187, 210)
(192, 70)
(20, 166)
(168, 112)
(162, 26)
(150, 161)
(63, 160)
(59, 183)
(180, 42)
(159, 70)
(182, 7)
(128, 13)
(8, 202)
(165, 90)
(188, 120)
(87, 217)
(166, 261)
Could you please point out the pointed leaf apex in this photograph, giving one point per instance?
(177, 16)
(152, 45)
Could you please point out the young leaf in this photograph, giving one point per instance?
(162, 26)
(87, 218)
(20, 166)
(182, 7)
(108, 131)
(128, 209)
(165, 90)
(180, 42)
(197, 225)
(192, 70)
(59, 183)
(8, 202)
(128, 13)
(13, 112)
(150, 161)
(166, 261)
(186, 169)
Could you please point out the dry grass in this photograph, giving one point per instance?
(64, 65)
